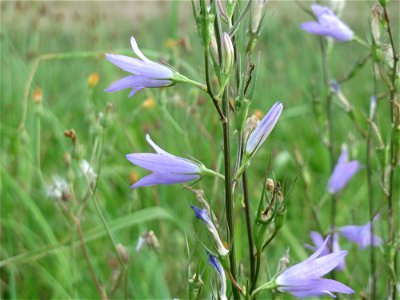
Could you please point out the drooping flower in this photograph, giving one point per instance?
(327, 24)
(146, 73)
(166, 168)
(343, 172)
(202, 214)
(304, 279)
(213, 261)
(263, 129)
(361, 235)
(318, 240)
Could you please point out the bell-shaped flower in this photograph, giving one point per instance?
(263, 129)
(166, 168)
(361, 235)
(146, 73)
(318, 240)
(304, 279)
(213, 261)
(343, 172)
(202, 214)
(327, 24)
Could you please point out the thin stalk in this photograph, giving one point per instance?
(329, 116)
(371, 193)
(98, 286)
(228, 190)
(248, 227)
(393, 159)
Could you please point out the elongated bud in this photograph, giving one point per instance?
(376, 16)
(222, 10)
(227, 53)
(257, 15)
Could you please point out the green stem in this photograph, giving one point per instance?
(248, 227)
(266, 286)
(329, 115)
(394, 150)
(206, 171)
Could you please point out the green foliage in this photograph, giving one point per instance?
(40, 251)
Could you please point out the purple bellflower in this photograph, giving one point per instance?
(361, 235)
(146, 73)
(327, 24)
(202, 214)
(213, 261)
(166, 168)
(304, 279)
(318, 240)
(263, 129)
(343, 172)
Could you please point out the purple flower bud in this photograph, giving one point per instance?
(212, 260)
(343, 172)
(318, 240)
(166, 168)
(202, 214)
(361, 235)
(327, 24)
(146, 73)
(263, 129)
(227, 53)
(304, 279)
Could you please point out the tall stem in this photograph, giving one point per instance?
(228, 190)
(248, 227)
(328, 107)
(371, 192)
(394, 149)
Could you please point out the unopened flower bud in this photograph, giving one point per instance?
(388, 54)
(257, 15)
(227, 53)
(123, 252)
(222, 10)
(376, 16)
(269, 184)
(67, 159)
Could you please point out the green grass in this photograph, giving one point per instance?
(40, 251)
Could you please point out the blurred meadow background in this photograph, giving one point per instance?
(55, 113)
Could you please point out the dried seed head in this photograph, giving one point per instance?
(71, 134)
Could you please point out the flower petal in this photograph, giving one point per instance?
(164, 178)
(163, 164)
(157, 148)
(137, 51)
(310, 269)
